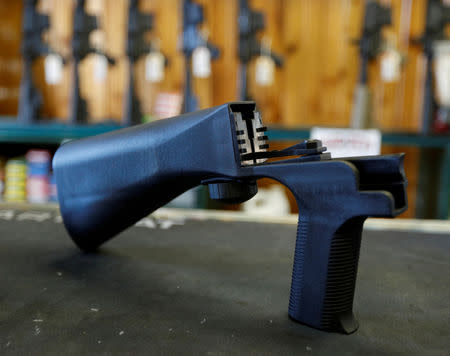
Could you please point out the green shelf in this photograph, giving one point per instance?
(51, 132)
(48, 132)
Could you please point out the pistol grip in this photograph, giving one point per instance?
(334, 198)
(332, 279)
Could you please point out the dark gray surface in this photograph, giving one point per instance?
(210, 288)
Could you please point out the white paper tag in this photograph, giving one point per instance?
(53, 67)
(348, 142)
(168, 105)
(390, 66)
(154, 67)
(442, 77)
(201, 62)
(100, 68)
(264, 71)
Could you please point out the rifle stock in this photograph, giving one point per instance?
(107, 183)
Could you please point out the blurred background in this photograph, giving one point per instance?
(70, 69)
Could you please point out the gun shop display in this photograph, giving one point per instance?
(296, 60)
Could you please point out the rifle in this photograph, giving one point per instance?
(250, 22)
(34, 24)
(376, 17)
(192, 18)
(437, 17)
(107, 183)
(138, 24)
(83, 25)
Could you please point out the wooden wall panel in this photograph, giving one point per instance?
(321, 63)
(315, 86)
(10, 59)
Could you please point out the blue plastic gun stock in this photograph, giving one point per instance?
(109, 182)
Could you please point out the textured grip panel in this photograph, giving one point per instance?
(297, 271)
(341, 277)
(324, 274)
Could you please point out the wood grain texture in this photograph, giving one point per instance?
(10, 59)
(315, 86)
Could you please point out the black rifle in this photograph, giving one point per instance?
(375, 18)
(83, 25)
(250, 22)
(138, 24)
(34, 24)
(437, 17)
(192, 17)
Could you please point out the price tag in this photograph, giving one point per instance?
(154, 67)
(264, 71)
(168, 105)
(348, 142)
(390, 66)
(100, 68)
(442, 76)
(201, 62)
(53, 67)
